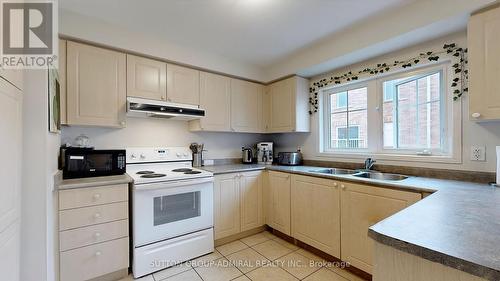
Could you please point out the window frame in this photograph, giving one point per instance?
(451, 115)
(326, 105)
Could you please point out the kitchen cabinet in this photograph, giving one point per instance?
(361, 207)
(93, 232)
(183, 85)
(146, 78)
(62, 81)
(238, 203)
(246, 106)
(96, 86)
(278, 216)
(11, 144)
(251, 188)
(226, 205)
(315, 205)
(484, 65)
(215, 98)
(288, 106)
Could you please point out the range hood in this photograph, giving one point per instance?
(138, 107)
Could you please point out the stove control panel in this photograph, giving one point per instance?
(155, 154)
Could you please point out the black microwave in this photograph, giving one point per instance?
(87, 162)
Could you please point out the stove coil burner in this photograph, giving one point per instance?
(182, 170)
(192, 172)
(145, 172)
(150, 176)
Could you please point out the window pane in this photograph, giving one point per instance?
(338, 101)
(358, 129)
(358, 99)
(413, 120)
(338, 132)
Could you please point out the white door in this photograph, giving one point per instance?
(10, 167)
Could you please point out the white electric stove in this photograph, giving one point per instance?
(172, 208)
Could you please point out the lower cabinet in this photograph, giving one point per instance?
(362, 207)
(278, 202)
(316, 213)
(237, 203)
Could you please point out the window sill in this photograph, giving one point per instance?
(445, 159)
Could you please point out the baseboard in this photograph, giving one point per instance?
(240, 235)
(113, 276)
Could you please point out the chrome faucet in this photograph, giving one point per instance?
(369, 162)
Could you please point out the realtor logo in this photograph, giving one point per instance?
(28, 34)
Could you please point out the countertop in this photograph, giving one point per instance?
(457, 226)
(233, 168)
(92, 182)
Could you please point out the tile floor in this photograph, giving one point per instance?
(260, 257)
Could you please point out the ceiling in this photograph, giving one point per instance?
(257, 32)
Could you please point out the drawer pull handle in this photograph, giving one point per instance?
(98, 253)
(97, 215)
(476, 115)
(97, 235)
(97, 196)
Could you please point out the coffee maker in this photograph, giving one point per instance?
(265, 152)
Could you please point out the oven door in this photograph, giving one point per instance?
(170, 209)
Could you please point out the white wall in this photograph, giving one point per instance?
(417, 22)
(486, 134)
(40, 148)
(162, 132)
(94, 30)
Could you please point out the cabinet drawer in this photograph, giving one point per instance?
(84, 197)
(85, 236)
(94, 261)
(86, 216)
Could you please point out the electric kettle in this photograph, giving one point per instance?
(246, 155)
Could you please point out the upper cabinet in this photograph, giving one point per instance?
(246, 106)
(96, 86)
(183, 85)
(146, 78)
(62, 80)
(484, 64)
(215, 98)
(288, 106)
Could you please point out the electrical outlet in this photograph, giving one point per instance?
(478, 153)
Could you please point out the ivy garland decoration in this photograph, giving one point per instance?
(459, 83)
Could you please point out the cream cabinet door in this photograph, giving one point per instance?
(11, 126)
(279, 184)
(96, 86)
(226, 205)
(316, 213)
(246, 106)
(282, 103)
(251, 200)
(183, 85)
(362, 207)
(266, 110)
(146, 78)
(215, 98)
(484, 65)
(62, 81)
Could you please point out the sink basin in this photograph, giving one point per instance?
(380, 176)
(334, 171)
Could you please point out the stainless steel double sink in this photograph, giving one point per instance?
(361, 174)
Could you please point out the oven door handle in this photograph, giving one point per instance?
(172, 184)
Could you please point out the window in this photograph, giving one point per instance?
(410, 116)
(412, 119)
(348, 119)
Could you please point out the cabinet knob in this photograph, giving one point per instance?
(98, 253)
(342, 186)
(335, 184)
(97, 196)
(122, 123)
(97, 215)
(476, 115)
(97, 234)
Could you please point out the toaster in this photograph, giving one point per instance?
(290, 158)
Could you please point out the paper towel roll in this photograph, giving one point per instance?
(498, 165)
